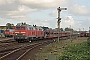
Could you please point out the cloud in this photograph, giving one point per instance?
(19, 9)
(20, 14)
(8, 5)
(46, 23)
(44, 4)
(86, 23)
(2, 22)
(80, 10)
(53, 14)
(11, 9)
(2, 2)
(69, 20)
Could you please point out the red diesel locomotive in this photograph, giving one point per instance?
(25, 32)
(9, 32)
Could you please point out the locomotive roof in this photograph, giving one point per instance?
(39, 27)
(22, 24)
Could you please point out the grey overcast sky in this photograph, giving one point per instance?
(44, 13)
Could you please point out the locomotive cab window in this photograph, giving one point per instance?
(11, 30)
(17, 28)
(6, 30)
(28, 28)
(31, 28)
(22, 28)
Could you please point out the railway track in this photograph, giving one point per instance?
(7, 40)
(18, 54)
(24, 47)
(8, 47)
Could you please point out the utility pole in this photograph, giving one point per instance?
(70, 33)
(59, 20)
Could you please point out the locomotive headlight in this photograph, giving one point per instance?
(23, 34)
(16, 34)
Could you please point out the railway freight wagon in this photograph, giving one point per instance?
(25, 32)
(49, 33)
(53, 33)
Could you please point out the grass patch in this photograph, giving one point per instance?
(57, 49)
(76, 52)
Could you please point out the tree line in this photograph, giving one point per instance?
(9, 26)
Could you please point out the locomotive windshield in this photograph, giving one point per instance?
(18, 28)
(22, 28)
(6, 30)
(11, 30)
(31, 28)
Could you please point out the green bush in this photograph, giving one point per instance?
(88, 41)
(77, 52)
